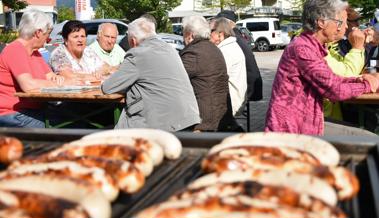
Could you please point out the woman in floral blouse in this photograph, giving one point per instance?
(74, 58)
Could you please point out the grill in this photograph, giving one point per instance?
(359, 154)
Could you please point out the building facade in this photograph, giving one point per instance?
(10, 18)
(256, 8)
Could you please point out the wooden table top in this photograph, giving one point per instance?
(370, 98)
(87, 96)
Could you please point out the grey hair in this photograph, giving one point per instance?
(141, 29)
(324, 9)
(103, 25)
(222, 24)
(33, 20)
(198, 26)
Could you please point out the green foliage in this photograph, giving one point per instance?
(368, 7)
(132, 9)
(65, 13)
(15, 4)
(297, 4)
(7, 37)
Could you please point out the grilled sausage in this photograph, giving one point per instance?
(301, 183)
(276, 194)
(325, 152)
(148, 146)
(94, 175)
(110, 151)
(43, 206)
(282, 158)
(227, 207)
(170, 143)
(76, 191)
(10, 149)
(127, 177)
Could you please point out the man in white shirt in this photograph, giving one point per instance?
(105, 46)
(222, 35)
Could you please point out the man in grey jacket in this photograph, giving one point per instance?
(158, 91)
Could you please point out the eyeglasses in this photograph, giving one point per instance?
(339, 22)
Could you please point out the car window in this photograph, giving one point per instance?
(257, 26)
(276, 25)
(284, 28)
(239, 24)
(92, 28)
(122, 29)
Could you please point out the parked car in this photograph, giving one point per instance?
(247, 35)
(177, 28)
(287, 32)
(91, 27)
(175, 41)
(266, 32)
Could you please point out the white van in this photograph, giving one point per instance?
(266, 32)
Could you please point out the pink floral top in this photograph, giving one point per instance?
(303, 79)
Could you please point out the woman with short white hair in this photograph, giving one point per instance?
(303, 78)
(223, 36)
(22, 69)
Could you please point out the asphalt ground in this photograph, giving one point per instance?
(267, 63)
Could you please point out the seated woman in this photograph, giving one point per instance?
(303, 78)
(74, 59)
(22, 69)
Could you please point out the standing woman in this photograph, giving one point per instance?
(22, 69)
(303, 78)
(74, 59)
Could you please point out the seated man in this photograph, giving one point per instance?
(158, 91)
(105, 46)
(22, 69)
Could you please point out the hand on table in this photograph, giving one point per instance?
(373, 80)
(57, 79)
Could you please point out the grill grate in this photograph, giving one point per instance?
(361, 158)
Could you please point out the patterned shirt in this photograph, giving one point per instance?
(62, 59)
(302, 81)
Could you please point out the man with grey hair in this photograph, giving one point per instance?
(222, 35)
(23, 69)
(206, 69)
(105, 46)
(158, 91)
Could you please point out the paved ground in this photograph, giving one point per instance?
(267, 63)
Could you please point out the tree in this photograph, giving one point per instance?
(65, 13)
(15, 4)
(368, 7)
(132, 9)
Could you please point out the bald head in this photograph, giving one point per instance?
(107, 36)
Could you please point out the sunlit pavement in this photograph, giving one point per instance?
(267, 63)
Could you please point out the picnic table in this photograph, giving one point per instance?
(95, 95)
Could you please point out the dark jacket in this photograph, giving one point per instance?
(124, 44)
(206, 69)
(254, 79)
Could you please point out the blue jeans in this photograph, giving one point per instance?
(26, 118)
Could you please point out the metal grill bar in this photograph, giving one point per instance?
(361, 158)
